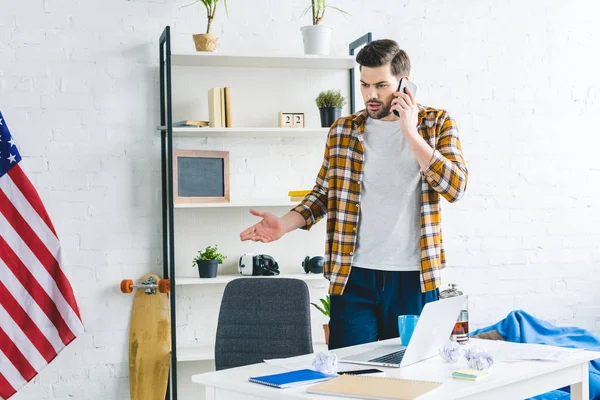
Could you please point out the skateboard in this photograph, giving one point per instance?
(149, 337)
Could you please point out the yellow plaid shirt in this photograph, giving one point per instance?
(337, 193)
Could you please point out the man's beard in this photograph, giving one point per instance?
(383, 111)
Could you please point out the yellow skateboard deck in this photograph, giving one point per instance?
(149, 337)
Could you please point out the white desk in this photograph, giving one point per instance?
(504, 381)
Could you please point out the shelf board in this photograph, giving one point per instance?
(261, 203)
(248, 132)
(229, 277)
(198, 352)
(302, 61)
(206, 352)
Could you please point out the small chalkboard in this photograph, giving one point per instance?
(200, 176)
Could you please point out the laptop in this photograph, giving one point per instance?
(433, 329)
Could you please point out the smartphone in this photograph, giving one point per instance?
(405, 83)
(362, 372)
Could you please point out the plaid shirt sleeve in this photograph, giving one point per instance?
(447, 172)
(314, 205)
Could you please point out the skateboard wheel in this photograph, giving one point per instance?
(126, 286)
(164, 286)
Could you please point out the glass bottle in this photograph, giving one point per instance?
(460, 333)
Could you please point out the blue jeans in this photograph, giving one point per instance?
(372, 301)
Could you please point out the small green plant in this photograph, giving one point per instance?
(325, 305)
(330, 98)
(211, 8)
(318, 8)
(210, 253)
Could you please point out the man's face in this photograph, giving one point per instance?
(377, 87)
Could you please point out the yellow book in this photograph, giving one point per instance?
(227, 106)
(222, 98)
(296, 198)
(298, 192)
(214, 108)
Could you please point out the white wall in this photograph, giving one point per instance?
(79, 90)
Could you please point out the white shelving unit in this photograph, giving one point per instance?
(207, 60)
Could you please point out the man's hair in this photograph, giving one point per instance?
(384, 51)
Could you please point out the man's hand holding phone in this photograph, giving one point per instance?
(404, 106)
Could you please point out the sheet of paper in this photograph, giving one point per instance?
(512, 352)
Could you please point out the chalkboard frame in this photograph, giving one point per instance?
(224, 155)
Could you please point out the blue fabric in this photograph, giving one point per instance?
(368, 309)
(520, 327)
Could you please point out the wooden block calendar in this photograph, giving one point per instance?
(291, 120)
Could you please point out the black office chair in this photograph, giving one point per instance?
(262, 318)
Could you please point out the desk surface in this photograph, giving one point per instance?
(501, 374)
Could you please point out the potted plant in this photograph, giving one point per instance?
(208, 261)
(207, 41)
(324, 308)
(330, 104)
(317, 37)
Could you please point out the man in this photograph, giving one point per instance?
(380, 185)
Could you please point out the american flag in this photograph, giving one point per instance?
(39, 315)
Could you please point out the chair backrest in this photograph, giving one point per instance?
(262, 318)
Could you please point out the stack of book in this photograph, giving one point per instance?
(219, 107)
(190, 123)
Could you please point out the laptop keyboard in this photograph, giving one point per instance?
(392, 358)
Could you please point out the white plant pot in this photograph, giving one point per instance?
(317, 39)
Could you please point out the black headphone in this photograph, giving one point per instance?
(314, 265)
(267, 265)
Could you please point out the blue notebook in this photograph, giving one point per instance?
(292, 378)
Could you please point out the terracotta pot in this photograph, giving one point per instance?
(326, 329)
(205, 41)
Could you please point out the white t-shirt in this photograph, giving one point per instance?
(389, 225)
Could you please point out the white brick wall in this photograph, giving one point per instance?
(78, 87)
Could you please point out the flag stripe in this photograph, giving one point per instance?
(14, 355)
(23, 230)
(33, 286)
(37, 315)
(26, 324)
(19, 341)
(25, 186)
(6, 389)
(29, 214)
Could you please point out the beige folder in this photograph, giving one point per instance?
(374, 387)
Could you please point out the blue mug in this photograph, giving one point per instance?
(406, 327)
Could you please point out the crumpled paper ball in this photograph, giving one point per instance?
(451, 351)
(326, 362)
(478, 359)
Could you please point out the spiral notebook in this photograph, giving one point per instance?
(292, 378)
(375, 388)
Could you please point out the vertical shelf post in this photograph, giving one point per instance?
(166, 121)
(366, 38)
